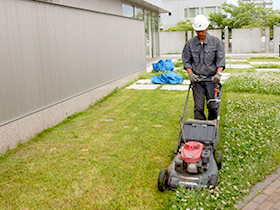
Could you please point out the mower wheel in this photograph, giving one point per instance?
(219, 160)
(214, 180)
(162, 180)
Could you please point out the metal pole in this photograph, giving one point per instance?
(279, 49)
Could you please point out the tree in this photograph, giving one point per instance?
(218, 20)
(272, 19)
(244, 15)
(182, 25)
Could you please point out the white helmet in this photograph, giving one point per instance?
(200, 23)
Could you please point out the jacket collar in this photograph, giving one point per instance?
(197, 41)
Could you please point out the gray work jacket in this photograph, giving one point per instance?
(204, 58)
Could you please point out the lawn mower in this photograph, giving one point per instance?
(194, 164)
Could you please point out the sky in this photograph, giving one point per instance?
(276, 3)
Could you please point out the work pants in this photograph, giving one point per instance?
(202, 90)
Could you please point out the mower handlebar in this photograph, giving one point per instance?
(207, 80)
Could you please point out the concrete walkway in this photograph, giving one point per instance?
(264, 195)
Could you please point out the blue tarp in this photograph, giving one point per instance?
(163, 65)
(170, 77)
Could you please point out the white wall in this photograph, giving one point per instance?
(172, 42)
(107, 6)
(245, 40)
(276, 39)
(57, 60)
(216, 33)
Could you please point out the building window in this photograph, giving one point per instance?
(139, 13)
(148, 32)
(209, 10)
(193, 11)
(155, 27)
(151, 21)
(202, 10)
(186, 12)
(127, 10)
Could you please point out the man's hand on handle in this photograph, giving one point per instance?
(216, 78)
(194, 78)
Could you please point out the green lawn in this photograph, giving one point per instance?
(92, 162)
(109, 156)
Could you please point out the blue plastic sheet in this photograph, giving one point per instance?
(169, 78)
(163, 65)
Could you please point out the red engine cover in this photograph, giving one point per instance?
(191, 152)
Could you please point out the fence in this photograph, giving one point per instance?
(56, 60)
(246, 40)
(172, 42)
(243, 40)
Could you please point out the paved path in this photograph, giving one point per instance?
(264, 195)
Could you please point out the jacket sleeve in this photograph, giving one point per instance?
(187, 56)
(220, 56)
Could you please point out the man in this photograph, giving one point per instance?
(203, 58)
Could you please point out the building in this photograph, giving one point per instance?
(187, 9)
(60, 56)
(264, 3)
(147, 10)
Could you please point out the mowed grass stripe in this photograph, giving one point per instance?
(87, 162)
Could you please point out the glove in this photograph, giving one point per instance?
(194, 78)
(216, 78)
